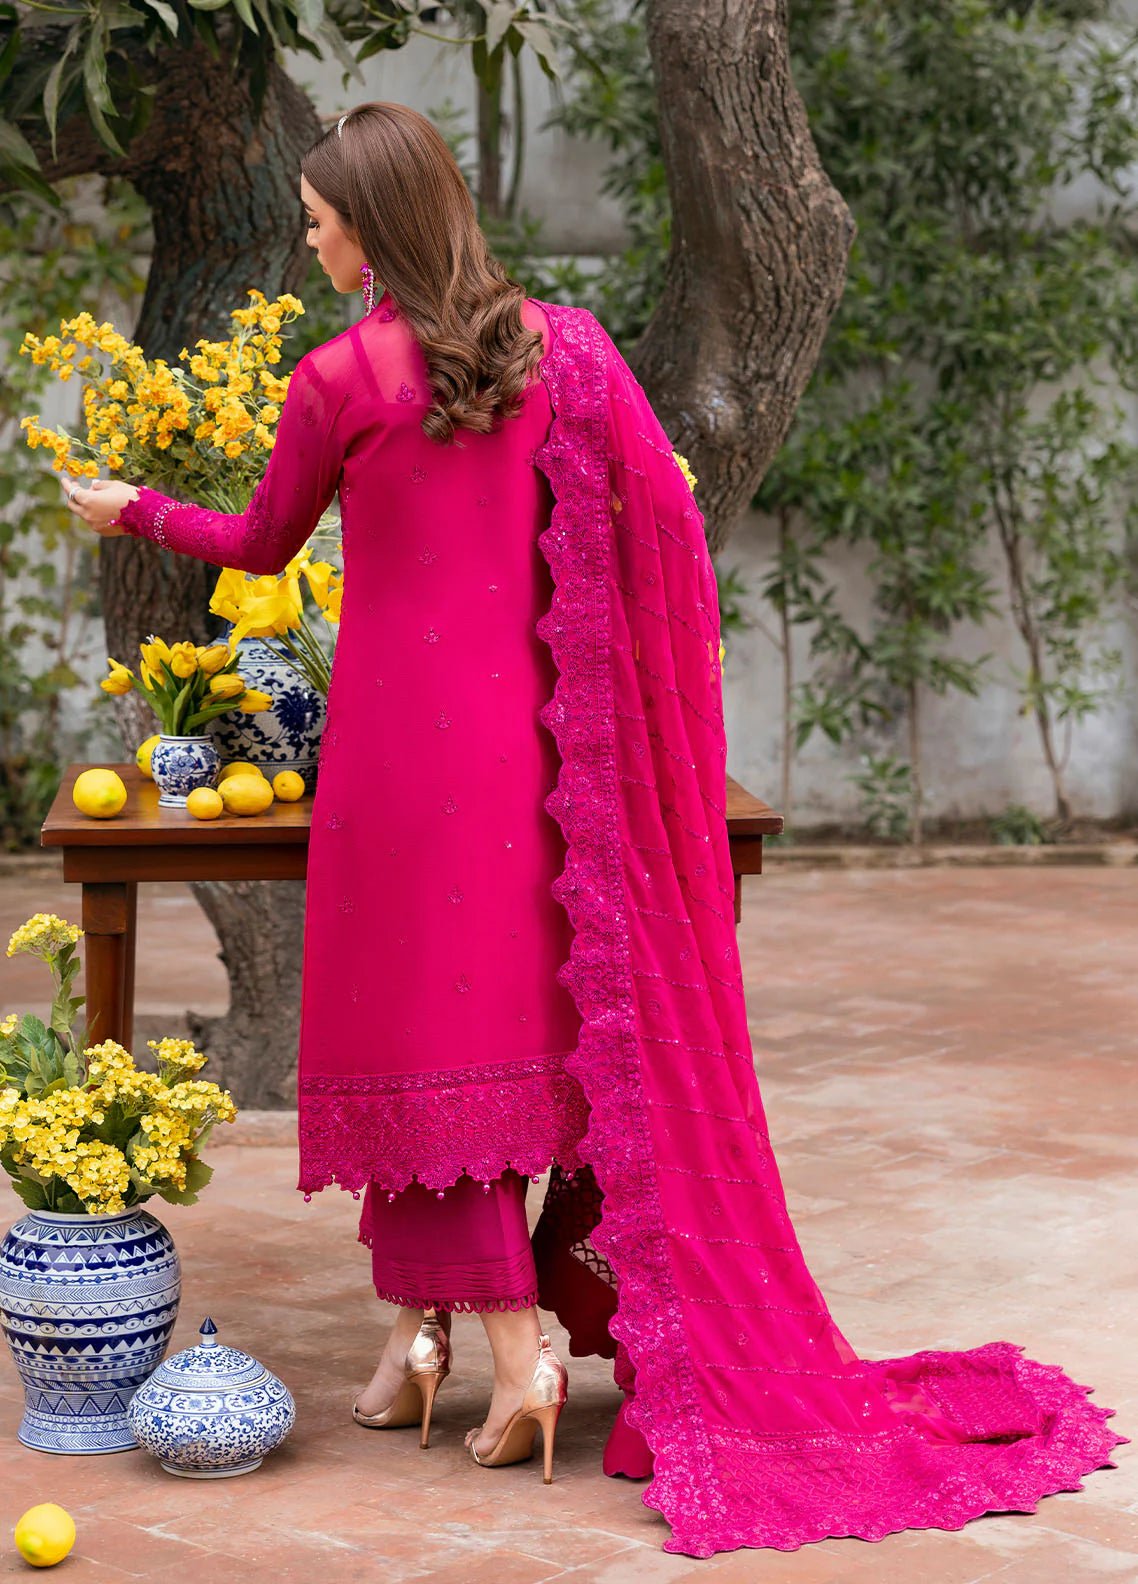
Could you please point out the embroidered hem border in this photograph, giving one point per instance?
(717, 1492)
(435, 1127)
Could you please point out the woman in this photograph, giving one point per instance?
(520, 943)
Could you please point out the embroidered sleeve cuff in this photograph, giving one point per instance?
(145, 516)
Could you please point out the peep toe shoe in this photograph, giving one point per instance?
(542, 1404)
(425, 1368)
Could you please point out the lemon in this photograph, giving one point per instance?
(238, 767)
(245, 794)
(204, 803)
(142, 757)
(45, 1534)
(99, 793)
(288, 785)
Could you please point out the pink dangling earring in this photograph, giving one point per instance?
(369, 287)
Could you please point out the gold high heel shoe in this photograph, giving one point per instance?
(425, 1368)
(542, 1404)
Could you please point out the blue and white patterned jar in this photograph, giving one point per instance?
(211, 1411)
(283, 737)
(180, 765)
(88, 1304)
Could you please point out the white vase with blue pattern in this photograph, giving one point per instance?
(287, 735)
(180, 765)
(211, 1411)
(87, 1304)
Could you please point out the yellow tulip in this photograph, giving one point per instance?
(288, 587)
(226, 684)
(153, 652)
(254, 702)
(332, 605)
(270, 615)
(318, 574)
(212, 659)
(184, 660)
(121, 679)
(228, 593)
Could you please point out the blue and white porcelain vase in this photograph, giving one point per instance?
(211, 1411)
(180, 765)
(287, 735)
(88, 1304)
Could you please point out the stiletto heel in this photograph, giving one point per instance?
(428, 1387)
(547, 1418)
(544, 1398)
(425, 1368)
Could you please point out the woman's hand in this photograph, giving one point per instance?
(99, 502)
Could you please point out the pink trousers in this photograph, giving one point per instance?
(467, 1249)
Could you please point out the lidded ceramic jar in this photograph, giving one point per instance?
(211, 1411)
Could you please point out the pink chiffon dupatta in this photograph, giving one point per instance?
(673, 1249)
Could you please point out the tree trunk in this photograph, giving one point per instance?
(759, 247)
(224, 197)
(916, 780)
(490, 151)
(255, 1042)
(786, 638)
(1024, 618)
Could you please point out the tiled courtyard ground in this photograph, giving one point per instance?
(948, 1061)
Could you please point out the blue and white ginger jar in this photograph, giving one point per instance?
(88, 1304)
(180, 765)
(211, 1411)
(287, 735)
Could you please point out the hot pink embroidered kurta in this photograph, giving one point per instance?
(432, 940)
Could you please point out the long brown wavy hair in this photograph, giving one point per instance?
(399, 193)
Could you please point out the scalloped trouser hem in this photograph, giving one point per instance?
(468, 1249)
(460, 1305)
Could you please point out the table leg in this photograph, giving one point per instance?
(130, 935)
(105, 910)
(738, 897)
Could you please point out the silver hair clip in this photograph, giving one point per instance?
(340, 124)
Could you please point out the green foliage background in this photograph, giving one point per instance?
(963, 436)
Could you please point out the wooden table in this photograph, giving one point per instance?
(109, 857)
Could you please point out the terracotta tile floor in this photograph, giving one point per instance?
(946, 1058)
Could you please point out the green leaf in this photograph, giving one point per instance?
(499, 17)
(11, 49)
(53, 84)
(32, 1192)
(197, 1175)
(35, 1029)
(166, 12)
(99, 101)
(179, 705)
(15, 146)
(310, 14)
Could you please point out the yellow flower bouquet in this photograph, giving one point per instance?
(186, 685)
(273, 608)
(82, 1129)
(204, 430)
